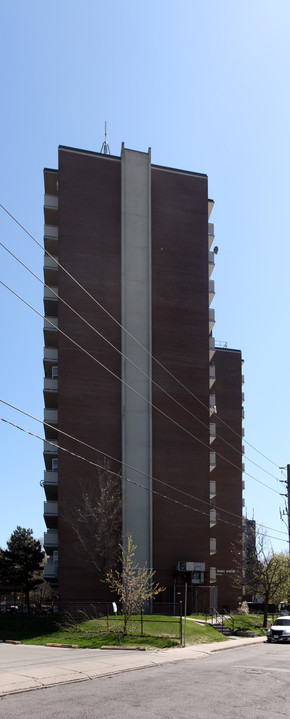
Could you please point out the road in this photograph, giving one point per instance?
(251, 681)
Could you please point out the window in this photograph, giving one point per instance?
(54, 372)
(54, 464)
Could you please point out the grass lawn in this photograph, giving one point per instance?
(249, 622)
(159, 631)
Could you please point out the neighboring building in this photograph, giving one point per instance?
(228, 473)
(137, 237)
(249, 537)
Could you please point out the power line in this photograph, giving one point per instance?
(124, 464)
(129, 333)
(121, 477)
(113, 374)
(58, 297)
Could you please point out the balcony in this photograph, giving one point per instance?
(50, 359)
(212, 376)
(212, 403)
(50, 209)
(50, 270)
(51, 239)
(50, 513)
(212, 432)
(50, 331)
(50, 484)
(51, 417)
(51, 201)
(50, 447)
(50, 540)
(211, 347)
(50, 393)
(50, 181)
(50, 569)
(211, 318)
(50, 451)
(211, 292)
(212, 461)
(50, 385)
(212, 488)
(50, 301)
(50, 354)
(243, 396)
(211, 263)
(210, 234)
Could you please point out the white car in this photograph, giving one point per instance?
(279, 630)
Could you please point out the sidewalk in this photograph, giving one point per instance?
(24, 667)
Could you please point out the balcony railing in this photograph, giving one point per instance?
(50, 478)
(211, 347)
(212, 403)
(212, 376)
(50, 508)
(210, 234)
(212, 488)
(51, 201)
(212, 460)
(50, 385)
(51, 232)
(50, 569)
(50, 330)
(50, 484)
(211, 291)
(50, 354)
(212, 431)
(211, 318)
(211, 263)
(50, 539)
(50, 447)
(51, 415)
(212, 517)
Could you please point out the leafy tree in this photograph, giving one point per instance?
(133, 585)
(268, 576)
(22, 562)
(265, 573)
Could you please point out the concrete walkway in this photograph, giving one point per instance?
(24, 667)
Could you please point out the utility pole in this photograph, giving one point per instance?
(286, 512)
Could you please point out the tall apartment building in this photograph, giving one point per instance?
(137, 237)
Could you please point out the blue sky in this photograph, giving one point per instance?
(206, 85)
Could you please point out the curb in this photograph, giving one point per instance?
(63, 646)
(124, 649)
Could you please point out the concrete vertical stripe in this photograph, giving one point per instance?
(136, 318)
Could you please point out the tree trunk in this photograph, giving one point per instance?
(266, 604)
(27, 602)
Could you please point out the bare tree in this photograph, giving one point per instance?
(96, 520)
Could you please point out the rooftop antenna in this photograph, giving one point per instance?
(105, 149)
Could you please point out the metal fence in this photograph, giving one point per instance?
(166, 617)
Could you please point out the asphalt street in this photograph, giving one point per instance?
(251, 681)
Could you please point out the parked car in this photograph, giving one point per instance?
(279, 630)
